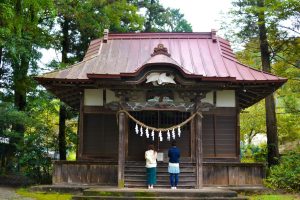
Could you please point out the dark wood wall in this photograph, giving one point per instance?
(233, 174)
(220, 133)
(100, 136)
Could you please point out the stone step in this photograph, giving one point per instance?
(127, 193)
(155, 198)
(158, 163)
(159, 178)
(161, 182)
(158, 170)
(160, 186)
(203, 192)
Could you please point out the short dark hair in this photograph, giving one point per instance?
(150, 147)
(174, 143)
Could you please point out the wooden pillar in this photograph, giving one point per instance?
(238, 145)
(121, 153)
(80, 129)
(199, 151)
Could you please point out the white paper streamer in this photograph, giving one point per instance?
(173, 134)
(152, 135)
(136, 129)
(179, 131)
(168, 136)
(147, 133)
(141, 131)
(160, 136)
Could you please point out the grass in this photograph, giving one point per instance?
(43, 195)
(59, 196)
(274, 197)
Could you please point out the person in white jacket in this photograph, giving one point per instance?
(150, 156)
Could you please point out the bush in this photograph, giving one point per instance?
(286, 175)
(253, 153)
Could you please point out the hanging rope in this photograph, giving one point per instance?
(159, 129)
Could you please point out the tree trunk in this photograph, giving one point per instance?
(62, 111)
(272, 136)
(62, 132)
(1, 68)
(1, 59)
(148, 24)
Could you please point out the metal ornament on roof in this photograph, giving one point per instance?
(160, 49)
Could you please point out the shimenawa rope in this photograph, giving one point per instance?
(158, 129)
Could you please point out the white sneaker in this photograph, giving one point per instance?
(172, 188)
(149, 187)
(175, 188)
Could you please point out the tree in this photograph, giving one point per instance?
(80, 22)
(24, 29)
(160, 19)
(252, 122)
(261, 20)
(6, 14)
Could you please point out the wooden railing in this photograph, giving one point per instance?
(85, 172)
(233, 174)
(105, 173)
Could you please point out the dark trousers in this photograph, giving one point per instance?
(174, 179)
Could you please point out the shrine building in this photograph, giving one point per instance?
(133, 89)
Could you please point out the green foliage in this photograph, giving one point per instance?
(29, 116)
(44, 196)
(253, 153)
(86, 20)
(274, 197)
(9, 117)
(252, 122)
(286, 175)
(32, 156)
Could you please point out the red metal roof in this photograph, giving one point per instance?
(200, 55)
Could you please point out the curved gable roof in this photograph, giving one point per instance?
(202, 56)
(197, 54)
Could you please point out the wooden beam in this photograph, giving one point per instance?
(121, 154)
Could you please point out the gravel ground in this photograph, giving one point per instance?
(7, 193)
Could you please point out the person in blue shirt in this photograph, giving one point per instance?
(173, 169)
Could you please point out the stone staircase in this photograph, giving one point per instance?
(135, 175)
(154, 194)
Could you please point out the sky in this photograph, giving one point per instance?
(203, 15)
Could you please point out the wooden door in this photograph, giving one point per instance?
(137, 145)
